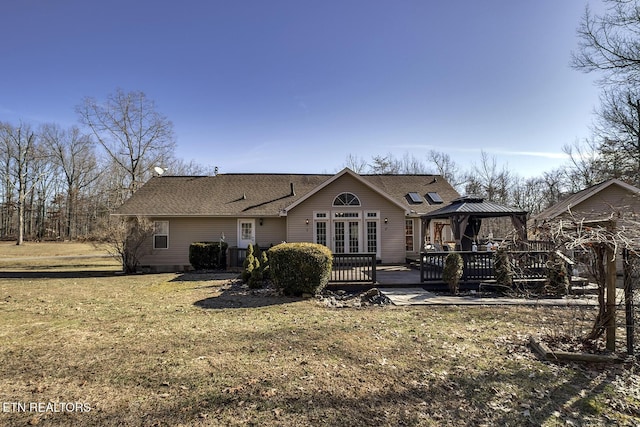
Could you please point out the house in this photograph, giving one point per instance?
(609, 199)
(347, 212)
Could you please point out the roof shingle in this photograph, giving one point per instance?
(261, 194)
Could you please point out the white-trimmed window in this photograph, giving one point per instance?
(408, 232)
(372, 230)
(346, 199)
(320, 230)
(160, 234)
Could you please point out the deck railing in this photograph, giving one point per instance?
(347, 268)
(479, 266)
(353, 268)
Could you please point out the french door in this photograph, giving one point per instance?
(346, 237)
(348, 232)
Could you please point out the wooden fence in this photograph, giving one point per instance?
(479, 266)
(347, 268)
(353, 268)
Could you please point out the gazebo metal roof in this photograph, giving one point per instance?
(475, 206)
(466, 213)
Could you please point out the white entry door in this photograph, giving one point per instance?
(346, 237)
(246, 232)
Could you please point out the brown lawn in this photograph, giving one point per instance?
(193, 350)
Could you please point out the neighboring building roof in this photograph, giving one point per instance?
(476, 207)
(254, 195)
(565, 205)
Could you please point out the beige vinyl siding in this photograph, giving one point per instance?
(612, 199)
(391, 235)
(185, 230)
(271, 232)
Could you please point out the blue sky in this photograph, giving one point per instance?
(296, 85)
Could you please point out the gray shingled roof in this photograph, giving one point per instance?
(476, 206)
(262, 194)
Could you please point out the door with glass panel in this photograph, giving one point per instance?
(246, 232)
(346, 237)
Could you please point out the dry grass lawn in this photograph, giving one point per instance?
(32, 256)
(193, 350)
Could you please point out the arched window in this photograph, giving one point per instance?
(346, 199)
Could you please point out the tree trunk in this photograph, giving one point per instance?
(600, 275)
(20, 220)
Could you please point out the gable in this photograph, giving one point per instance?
(609, 197)
(349, 177)
(367, 196)
(612, 199)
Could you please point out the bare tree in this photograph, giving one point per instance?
(554, 187)
(526, 193)
(446, 167)
(411, 165)
(488, 181)
(388, 164)
(20, 145)
(618, 126)
(585, 168)
(128, 240)
(609, 44)
(74, 154)
(179, 167)
(134, 135)
(8, 191)
(355, 163)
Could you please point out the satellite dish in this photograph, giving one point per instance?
(158, 170)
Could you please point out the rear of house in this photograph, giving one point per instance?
(347, 212)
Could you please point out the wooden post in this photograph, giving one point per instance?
(628, 299)
(611, 293)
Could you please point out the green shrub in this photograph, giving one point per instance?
(452, 272)
(300, 268)
(248, 264)
(502, 267)
(208, 255)
(255, 277)
(264, 266)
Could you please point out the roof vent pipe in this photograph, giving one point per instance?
(293, 190)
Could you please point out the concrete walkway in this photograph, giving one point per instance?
(397, 275)
(418, 296)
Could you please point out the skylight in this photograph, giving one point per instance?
(434, 198)
(414, 197)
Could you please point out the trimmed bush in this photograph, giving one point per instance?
(300, 268)
(255, 277)
(208, 256)
(264, 266)
(248, 265)
(452, 272)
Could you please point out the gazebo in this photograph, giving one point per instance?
(466, 214)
